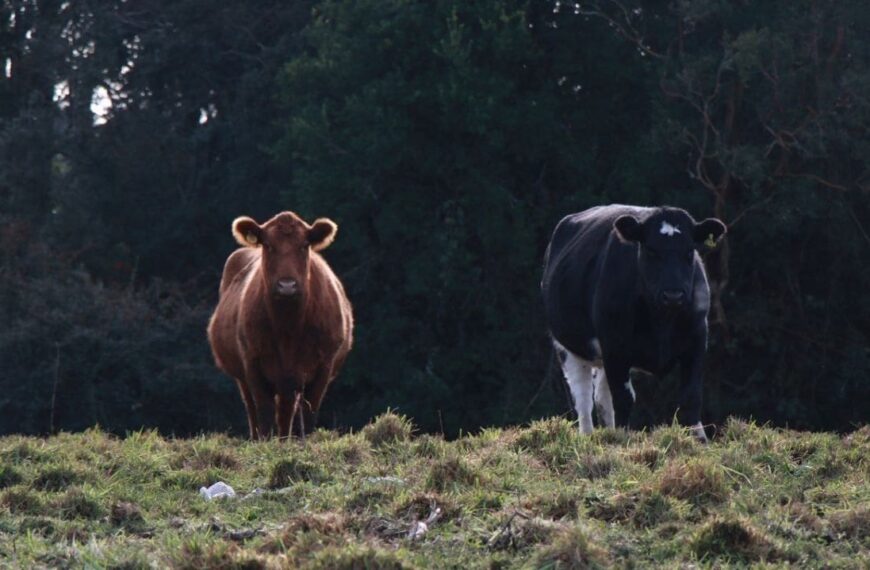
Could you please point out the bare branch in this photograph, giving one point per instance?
(626, 30)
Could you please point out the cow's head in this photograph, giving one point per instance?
(286, 242)
(668, 241)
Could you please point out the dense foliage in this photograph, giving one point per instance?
(446, 138)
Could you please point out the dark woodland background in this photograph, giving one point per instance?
(446, 138)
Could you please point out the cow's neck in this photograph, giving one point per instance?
(663, 328)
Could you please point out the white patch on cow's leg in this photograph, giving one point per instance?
(698, 431)
(578, 374)
(630, 388)
(604, 400)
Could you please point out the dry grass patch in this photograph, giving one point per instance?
(203, 459)
(733, 539)
(323, 528)
(520, 532)
(695, 480)
(572, 549)
(21, 502)
(561, 505)
(219, 556)
(804, 517)
(852, 523)
(594, 466)
(292, 470)
(645, 455)
(418, 507)
(356, 557)
(76, 504)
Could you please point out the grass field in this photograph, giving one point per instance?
(540, 496)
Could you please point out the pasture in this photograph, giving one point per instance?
(538, 496)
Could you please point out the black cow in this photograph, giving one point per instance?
(624, 287)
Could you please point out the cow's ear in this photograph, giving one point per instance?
(707, 234)
(321, 234)
(629, 228)
(247, 232)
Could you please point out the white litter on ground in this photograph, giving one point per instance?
(216, 491)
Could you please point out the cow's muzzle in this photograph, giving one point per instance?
(672, 298)
(287, 287)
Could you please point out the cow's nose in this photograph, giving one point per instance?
(288, 287)
(673, 297)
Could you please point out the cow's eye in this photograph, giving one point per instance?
(653, 255)
(268, 247)
(690, 256)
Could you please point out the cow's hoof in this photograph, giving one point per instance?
(699, 433)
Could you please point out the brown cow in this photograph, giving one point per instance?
(283, 325)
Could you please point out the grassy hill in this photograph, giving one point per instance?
(540, 496)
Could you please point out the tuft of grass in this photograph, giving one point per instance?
(543, 433)
(56, 479)
(388, 428)
(431, 446)
(76, 504)
(802, 516)
(645, 455)
(450, 473)
(732, 539)
(675, 440)
(573, 550)
(521, 532)
(561, 505)
(42, 526)
(288, 471)
(695, 480)
(593, 466)
(851, 523)
(203, 459)
(124, 513)
(367, 499)
(9, 476)
(419, 506)
(21, 502)
(357, 557)
(195, 555)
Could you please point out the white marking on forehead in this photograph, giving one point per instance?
(668, 229)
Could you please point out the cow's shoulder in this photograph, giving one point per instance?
(239, 264)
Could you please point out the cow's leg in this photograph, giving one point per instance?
(313, 396)
(603, 399)
(298, 411)
(285, 415)
(264, 399)
(621, 390)
(250, 408)
(691, 388)
(578, 374)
